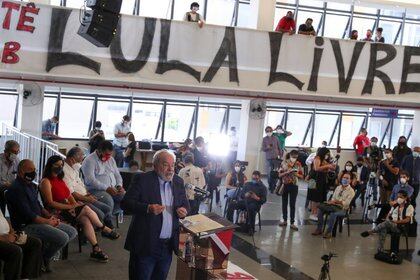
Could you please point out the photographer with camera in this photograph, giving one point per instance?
(270, 146)
(194, 176)
(290, 171)
(373, 155)
(235, 178)
(251, 197)
(388, 175)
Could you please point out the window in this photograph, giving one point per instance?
(220, 12)
(365, 10)
(210, 121)
(390, 30)
(127, 7)
(110, 112)
(8, 108)
(324, 127)
(377, 127)
(178, 121)
(75, 3)
(75, 123)
(311, 3)
(183, 6)
(234, 119)
(155, 8)
(402, 127)
(362, 24)
(411, 34)
(350, 127)
(335, 25)
(244, 14)
(49, 107)
(297, 123)
(273, 119)
(145, 120)
(338, 6)
(304, 15)
(55, 2)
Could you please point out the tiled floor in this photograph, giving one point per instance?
(279, 254)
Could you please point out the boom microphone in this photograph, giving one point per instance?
(197, 189)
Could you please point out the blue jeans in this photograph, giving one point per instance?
(153, 267)
(103, 211)
(331, 219)
(118, 155)
(53, 238)
(112, 201)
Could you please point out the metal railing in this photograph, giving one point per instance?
(31, 147)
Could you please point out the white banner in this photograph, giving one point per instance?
(40, 43)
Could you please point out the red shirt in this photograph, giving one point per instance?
(59, 189)
(361, 142)
(286, 24)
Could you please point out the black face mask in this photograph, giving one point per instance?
(360, 164)
(29, 176)
(402, 143)
(57, 170)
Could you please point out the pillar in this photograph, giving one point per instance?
(250, 139)
(415, 135)
(263, 14)
(30, 109)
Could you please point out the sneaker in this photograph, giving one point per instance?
(283, 224)
(313, 218)
(294, 227)
(317, 232)
(365, 234)
(327, 235)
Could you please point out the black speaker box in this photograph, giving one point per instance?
(112, 6)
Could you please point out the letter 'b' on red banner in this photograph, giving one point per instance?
(9, 53)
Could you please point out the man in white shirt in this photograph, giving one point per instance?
(74, 182)
(401, 214)
(121, 131)
(336, 207)
(102, 177)
(194, 176)
(8, 168)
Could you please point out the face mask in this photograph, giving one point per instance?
(105, 158)
(12, 157)
(97, 127)
(57, 170)
(400, 200)
(388, 156)
(403, 181)
(401, 143)
(77, 166)
(344, 182)
(349, 168)
(237, 169)
(280, 131)
(194, 9)
(415, 154)
(30, 176)
(269, 134)
(293, 159)
(374, 144)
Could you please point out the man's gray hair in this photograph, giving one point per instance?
(74, 151)
(158, 155)
(10, 145)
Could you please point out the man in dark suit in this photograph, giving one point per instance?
(157, 200)
(362, 179)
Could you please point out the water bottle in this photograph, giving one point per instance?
(189, 254)
(121, 217)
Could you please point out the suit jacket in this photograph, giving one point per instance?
(144, 231)
(364, 175)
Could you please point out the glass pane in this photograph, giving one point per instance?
(377, 127)
(350, 127)
(8, 108)
(145, 120)
(297, 124)
(273, 119)
(220, 12)
(401, 127)
(210, 121)
(390, 30)
(55, 2)
(413, 14)
(311, 3)
(303, 15)
(75, 3)
(235, 119)
(183, 6)
(177, 122)
(155, 8)
(324, 127)
(411, 34)
(49, 107)
(365, 10)
(245, 12)
(75, 124)
(110, 113)
(394, 12)
(335, 25)
(338, 6)
(362, 25)
(127, 7)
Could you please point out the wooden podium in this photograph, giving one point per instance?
(212, 237)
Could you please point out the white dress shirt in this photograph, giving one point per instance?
(73, 180)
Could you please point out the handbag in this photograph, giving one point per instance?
(279, 189)
(329, 208)
(311, 184)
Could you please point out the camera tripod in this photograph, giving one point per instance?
(372, 183)
(325, 269)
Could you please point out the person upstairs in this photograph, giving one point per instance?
(401, 214)
(361, 142)
(9, 162)
(354, 35)
(307, 28)
(368, 37)
(336, 207)
(28, 215)
(121, 131)
(77, 188)
(270, 146)
(200, 153)
(401, 150)
(251, 198)
(388, 178)
(193, 176)
(102, 177)
(281, 135)
(411, 164)
(193, 15)
(287, 24)
(96, 136)
(49, 129)
(379, 38)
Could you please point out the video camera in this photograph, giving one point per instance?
(243, 165)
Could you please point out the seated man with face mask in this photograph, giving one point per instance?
(401, 213)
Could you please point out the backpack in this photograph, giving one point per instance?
(389, 258)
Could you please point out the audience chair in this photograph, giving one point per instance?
(338, 223)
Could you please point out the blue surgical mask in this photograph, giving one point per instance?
(344, 182)
(254, 181)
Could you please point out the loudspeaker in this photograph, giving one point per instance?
(112, 6)
(99, 27)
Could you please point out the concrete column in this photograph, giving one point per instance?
(263, 13)
(250, 138)
(415, 135)
(30, 109)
